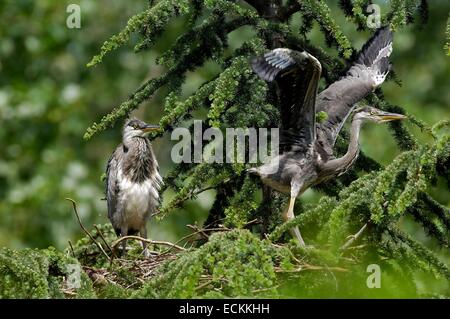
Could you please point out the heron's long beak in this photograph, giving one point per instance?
(386, 117)
(149, 128)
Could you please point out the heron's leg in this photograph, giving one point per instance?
(123, 233)
(143, 233)
(289, 213)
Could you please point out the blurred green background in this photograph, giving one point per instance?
(48, 98)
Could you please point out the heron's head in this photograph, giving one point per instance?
(137, 128)
(368, 113)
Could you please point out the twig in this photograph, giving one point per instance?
(264, 289)
(211, 229)
(104, 240)
(357, 247)
(71, 248)
(253, 221)
(334, 277)
(203, 231)
(196, 229)
(204, 285)
(312, 267)
(200, 231)
(354, 237)
(154, 242)
(214, 222)
(289, 10)
(290, 252)
(74, 205)
(69, 292)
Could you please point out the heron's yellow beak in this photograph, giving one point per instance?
(149, 128)
(386, 117)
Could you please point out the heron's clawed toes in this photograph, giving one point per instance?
(146, 253)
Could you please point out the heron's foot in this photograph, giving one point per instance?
(123, 251)
(296, 233)
(146, 253)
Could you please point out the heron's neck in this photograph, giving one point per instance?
(133, 141)
(343, 163)
(139, 162)
(353, 146)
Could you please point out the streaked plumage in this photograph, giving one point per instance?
(306, 156)
(132, 182)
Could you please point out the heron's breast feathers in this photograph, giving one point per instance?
(138, 200)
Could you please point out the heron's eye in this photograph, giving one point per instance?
(372, 112)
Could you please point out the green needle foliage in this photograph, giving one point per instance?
(40, 274)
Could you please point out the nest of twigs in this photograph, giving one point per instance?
(133, 271)
(129, 273)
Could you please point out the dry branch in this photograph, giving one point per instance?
(74, 205)
(154, 242)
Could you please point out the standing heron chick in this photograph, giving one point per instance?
(133, 182)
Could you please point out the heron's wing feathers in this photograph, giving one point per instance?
(112, 187)
(272, 63)
(367, 73)
(297, 75)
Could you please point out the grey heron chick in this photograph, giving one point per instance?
(133, 182)
(306, 157)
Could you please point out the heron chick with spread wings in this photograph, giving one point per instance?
(306, 158)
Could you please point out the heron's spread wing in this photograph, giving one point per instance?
(297, 75)
(112, 188)
(367, 73)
